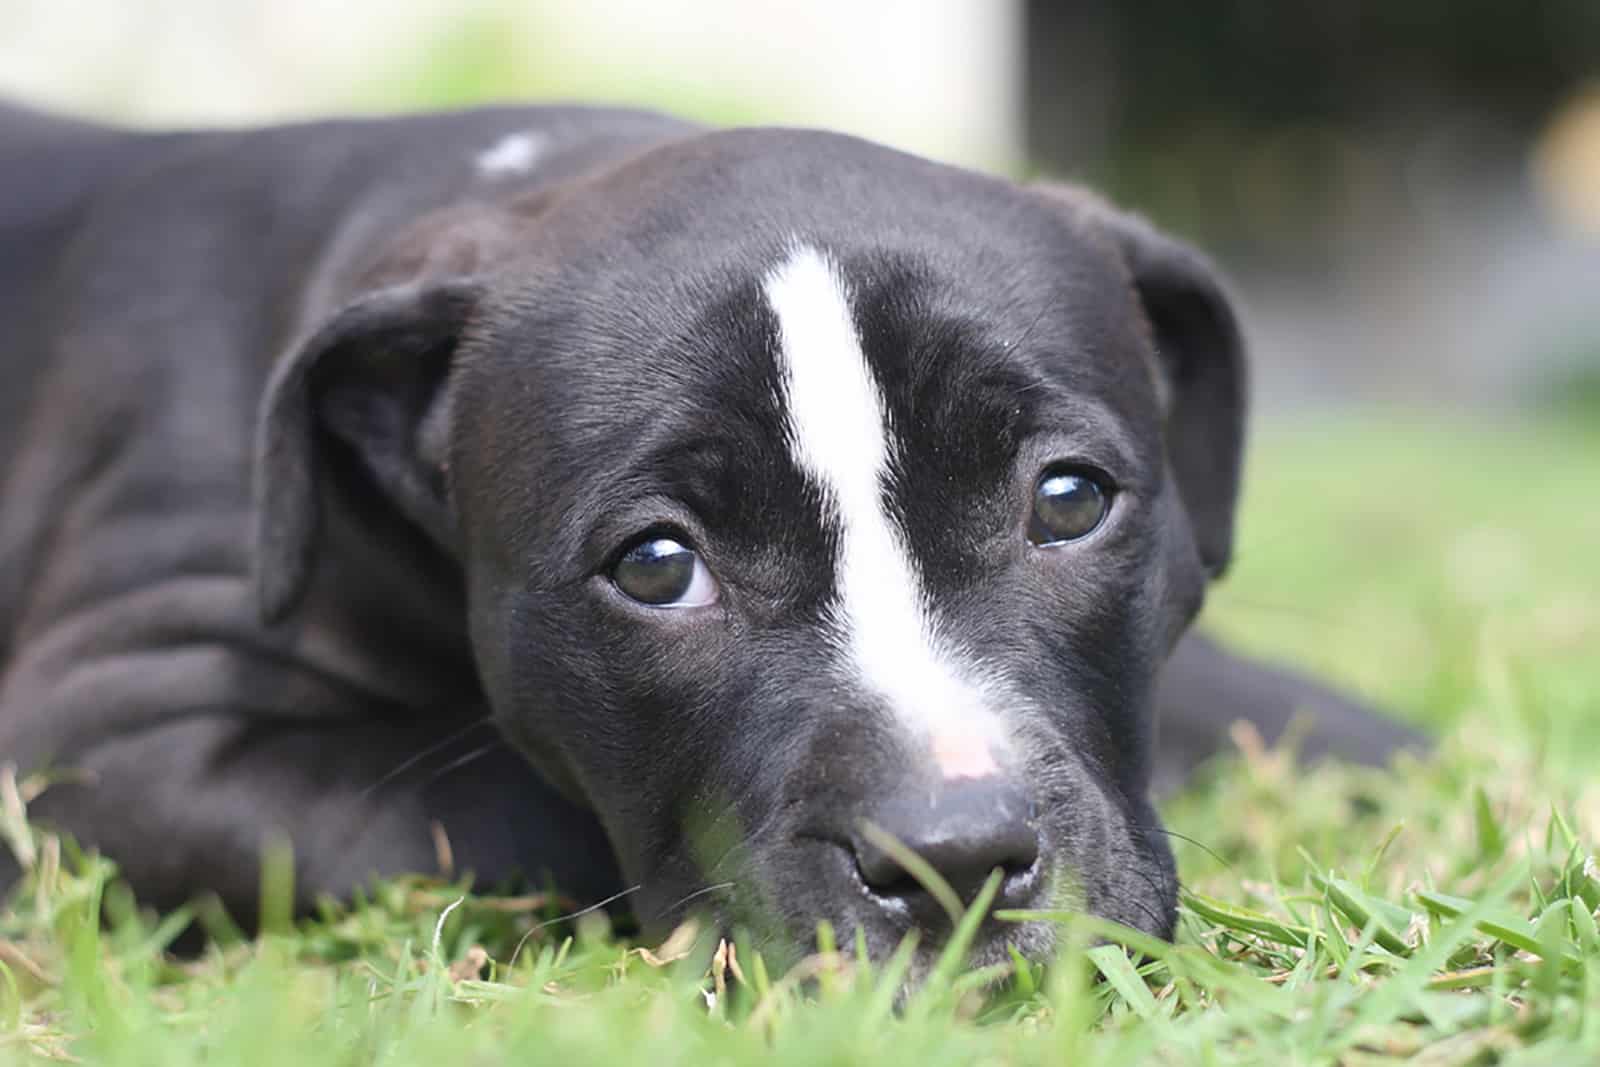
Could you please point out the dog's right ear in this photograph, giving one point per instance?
(369, 388)
(1201, 349)
(1201, 352)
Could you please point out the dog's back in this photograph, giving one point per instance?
(280, 189)
(48, 168)
(47, 165)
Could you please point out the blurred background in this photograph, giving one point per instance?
(1407, 193)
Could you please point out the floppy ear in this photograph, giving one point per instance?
(371, 379)
(1201, 351)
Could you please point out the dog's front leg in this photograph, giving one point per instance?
(1204, 689)
(188, 804)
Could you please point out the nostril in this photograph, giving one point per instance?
(881, 872)
(962, 831)
(900, 884)
(964, 864)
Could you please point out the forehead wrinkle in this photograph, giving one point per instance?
(1083, 426)
(1038, 398)
(976, 379)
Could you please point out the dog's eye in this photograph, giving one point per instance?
(1068, 504)
(664, 573)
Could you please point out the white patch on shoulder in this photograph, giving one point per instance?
(513, 154)
(839, 431)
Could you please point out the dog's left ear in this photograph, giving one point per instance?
(1201, 351)
(369, 385)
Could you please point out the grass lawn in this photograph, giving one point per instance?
(1442, 913)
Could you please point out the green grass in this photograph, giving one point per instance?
(1442, 913)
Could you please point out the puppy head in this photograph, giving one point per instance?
(804, 493)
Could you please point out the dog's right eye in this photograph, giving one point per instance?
(1069, 503)
(664, 573)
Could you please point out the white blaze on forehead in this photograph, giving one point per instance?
(513, 154)
(841, 436)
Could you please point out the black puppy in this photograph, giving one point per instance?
(753, 485)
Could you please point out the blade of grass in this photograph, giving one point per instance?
(955, 949)
(1113, 963)
(1235, 917)
(918, 868)
(1367, 912)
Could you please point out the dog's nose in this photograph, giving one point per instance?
(964, 829)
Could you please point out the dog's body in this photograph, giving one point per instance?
(325, 446)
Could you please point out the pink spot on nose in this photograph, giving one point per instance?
(963, 754)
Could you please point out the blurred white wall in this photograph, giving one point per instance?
(939, 77)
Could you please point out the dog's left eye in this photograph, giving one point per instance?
(1068, 504)
(664, 573)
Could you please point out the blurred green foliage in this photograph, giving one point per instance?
(1439, 565)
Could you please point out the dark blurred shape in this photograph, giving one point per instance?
(1404, 189)
(1131, 92)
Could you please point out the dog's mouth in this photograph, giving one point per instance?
(909, 892)
(821, 900)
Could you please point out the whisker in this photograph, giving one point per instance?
(412, 761)
(1138, 860)
(355, 818)
(1156, 922)
(1034, 325)
(1161, 887)
(568, 918)
(697, 893)
(1201, 845)
(461, 761)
